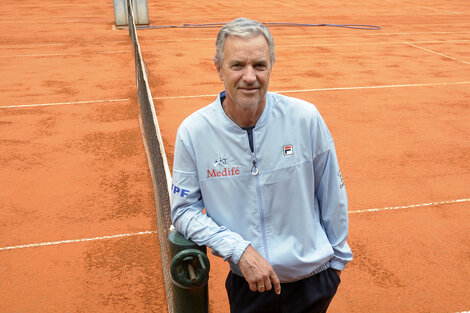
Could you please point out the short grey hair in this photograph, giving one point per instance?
(244, 28)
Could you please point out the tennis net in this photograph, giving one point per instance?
(155, 154)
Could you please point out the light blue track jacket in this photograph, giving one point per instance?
(287, 198)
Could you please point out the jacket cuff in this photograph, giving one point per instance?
(337, 265)
(238, 251)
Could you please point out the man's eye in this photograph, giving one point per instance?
(260, 67)
(236, 67)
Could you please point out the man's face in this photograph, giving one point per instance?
(245, 70)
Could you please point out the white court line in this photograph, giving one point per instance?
(311, 36)
(212, 39)
(159, 51)
(371, 43)
(53, 243)
(308, 36)
(287, 5)
(215, 95)
(374, 34)
(326, 89)
(277, 46)
(71, 43)
(426, 7)
(410, 206)
(60, 103)
(446, 56)
(372, 87)
(63, 54)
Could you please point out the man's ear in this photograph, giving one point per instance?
(219, 71)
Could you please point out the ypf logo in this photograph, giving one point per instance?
(179, 191)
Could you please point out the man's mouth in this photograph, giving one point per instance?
(249, 90)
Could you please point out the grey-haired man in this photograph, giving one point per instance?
(264, 168)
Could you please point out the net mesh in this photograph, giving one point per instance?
(155, 154)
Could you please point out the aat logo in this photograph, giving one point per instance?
(223, 166)
(221, 162)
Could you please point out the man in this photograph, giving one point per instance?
(264, 167)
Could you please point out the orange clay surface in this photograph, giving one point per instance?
(74, 170)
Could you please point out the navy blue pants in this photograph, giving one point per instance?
(309, 295)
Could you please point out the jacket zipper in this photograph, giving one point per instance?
(254, 168)
(255, 172)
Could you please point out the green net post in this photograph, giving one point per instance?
(189, 274)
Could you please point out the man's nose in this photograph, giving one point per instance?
(249, 75)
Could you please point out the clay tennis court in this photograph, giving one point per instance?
(77, 221)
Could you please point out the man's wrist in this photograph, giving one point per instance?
(239, 250)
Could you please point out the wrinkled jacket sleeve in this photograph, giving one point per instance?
(187, 204)
(331, 195)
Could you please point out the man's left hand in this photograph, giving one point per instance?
(258, 272)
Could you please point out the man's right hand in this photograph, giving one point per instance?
(258, 272)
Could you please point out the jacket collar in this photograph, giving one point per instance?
(227, 122)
